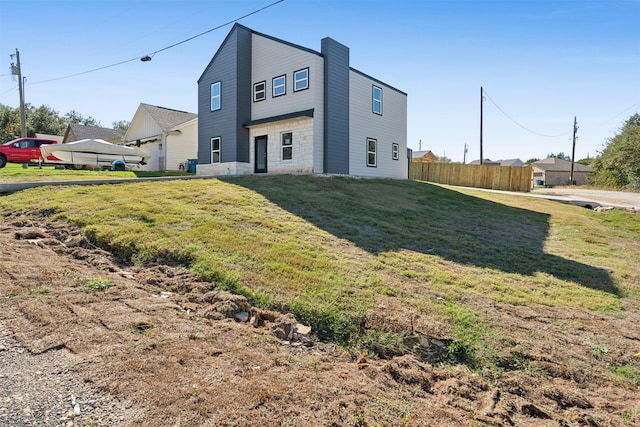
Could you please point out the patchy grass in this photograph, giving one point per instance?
(327, 248)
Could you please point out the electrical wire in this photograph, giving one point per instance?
(484, 92)
(10, 90)
(160, 50)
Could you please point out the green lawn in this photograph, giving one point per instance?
(328, 249)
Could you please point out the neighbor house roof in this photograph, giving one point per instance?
(560, 165)
(168, 118)
(76, 132)
(48, 136)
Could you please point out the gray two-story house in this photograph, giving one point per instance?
(269, 106)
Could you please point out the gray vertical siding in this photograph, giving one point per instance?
(336, 106)
(228, 66)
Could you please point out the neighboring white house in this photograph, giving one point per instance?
(169, 136)
(266, 105)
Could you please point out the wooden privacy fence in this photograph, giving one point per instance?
(508, 178)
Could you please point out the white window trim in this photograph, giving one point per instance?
(218, 150)
(296, 80)
(375, 100)
(375, 153)
(395, 151)
(218, 96)
(282, 146)
(263, 91)
(283, 86)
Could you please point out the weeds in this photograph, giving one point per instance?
(98, 284)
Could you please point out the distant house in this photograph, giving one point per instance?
(267, 105)
(423, 156)
(508, 162)
(169, 136)
(554, 171)
(76, 132)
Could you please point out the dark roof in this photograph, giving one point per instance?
(306, 49)
(281, 117)
(168, 118)
(76, 132)
(560, 165)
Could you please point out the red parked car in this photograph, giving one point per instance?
(24, 150)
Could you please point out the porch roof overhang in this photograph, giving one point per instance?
(280, 118)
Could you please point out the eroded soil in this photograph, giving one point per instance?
(160, 348)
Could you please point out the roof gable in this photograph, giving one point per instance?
(168, 118)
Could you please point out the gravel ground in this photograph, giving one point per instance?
(62, 398)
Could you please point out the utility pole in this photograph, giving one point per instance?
(16, 71)
(481, 125)
(464, 156)
(573, 150)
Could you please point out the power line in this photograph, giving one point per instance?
(148, 57)
(10, 90)
(522, 126)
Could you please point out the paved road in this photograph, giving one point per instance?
(621, 199)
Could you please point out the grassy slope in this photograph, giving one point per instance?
(329, 249)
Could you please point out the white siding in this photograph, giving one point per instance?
(272, 59)
(142, 126)
(183, 147)
(387, 129)
(154, 150)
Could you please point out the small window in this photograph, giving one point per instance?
(287, 146)
(215, 150)
(259, 91)
(215, 96)
(395, 151)
(371, 152)
(377, 100)
(279, 86)
(301, 80)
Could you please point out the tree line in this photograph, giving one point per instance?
(44, 119)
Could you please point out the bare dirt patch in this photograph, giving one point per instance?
(86, 341)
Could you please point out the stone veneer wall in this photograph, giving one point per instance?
(302, 157)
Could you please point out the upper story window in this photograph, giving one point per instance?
(215, 96)
(259, 91)
(287, 145)
(301, 79)
(395, 151)
(377, 100)
(372, 156)
(215, 150)
(279, 85)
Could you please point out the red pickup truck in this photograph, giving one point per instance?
(24, 150)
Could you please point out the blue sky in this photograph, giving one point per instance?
(540, 62)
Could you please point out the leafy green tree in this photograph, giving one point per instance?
(121, 124)
(9, 123)
(619, 162)
(44, 119)
(74, 117)
(532, 160)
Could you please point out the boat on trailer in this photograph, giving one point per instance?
(94, 153)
